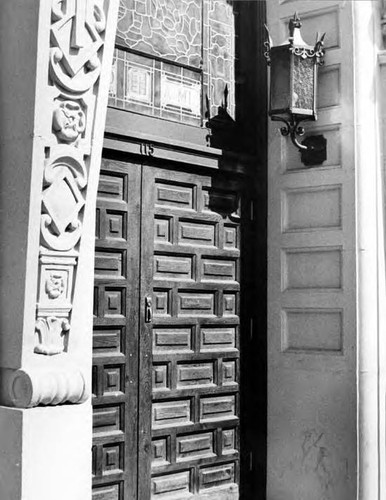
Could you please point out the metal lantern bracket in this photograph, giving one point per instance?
(313, 149)
(292, 129)
(293, 89)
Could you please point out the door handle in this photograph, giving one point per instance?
(148, 310)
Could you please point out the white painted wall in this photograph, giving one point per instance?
(326, 412)
(312, 324)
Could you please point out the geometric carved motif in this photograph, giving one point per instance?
(61, 227)
(75, 56)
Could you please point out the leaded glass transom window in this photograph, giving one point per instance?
(171, 55)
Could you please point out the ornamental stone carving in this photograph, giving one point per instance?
(54, 285)
(77, 38)
(31, 387)
(52, 335)
(65, 177)
(75, 55)
(68, 121)
(76, 41)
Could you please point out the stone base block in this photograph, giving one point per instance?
(45, 453)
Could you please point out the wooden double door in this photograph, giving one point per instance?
(166, 373)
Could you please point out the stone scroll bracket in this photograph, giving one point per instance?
(72, 69)
(26, 388)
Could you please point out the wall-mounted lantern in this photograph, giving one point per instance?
(293, 89)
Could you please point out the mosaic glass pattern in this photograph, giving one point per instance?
(303, 83)
(171, 55)
(171, 29)
(220, 53)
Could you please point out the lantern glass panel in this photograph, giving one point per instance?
(280, 99)
(303, 95)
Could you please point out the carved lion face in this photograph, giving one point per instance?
(68, 121)
(54, 286)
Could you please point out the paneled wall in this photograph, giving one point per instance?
(312, 279)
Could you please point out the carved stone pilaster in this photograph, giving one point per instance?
(73, 64)
(75, 60)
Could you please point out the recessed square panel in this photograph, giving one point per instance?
(196, 303)
(217, 476)
(113, 379)
(312, 268)
(107, 340)
(106, 492)
(312, 208)
(171, 413)
(177, 339)
(312, 330)
(229, 372)
(217, 338)
(115, 302)
(196, 233)
(322, 21)
(195, 374)
(174, 486)
(217, 407)
(109, 263)
(115, 225)
(111, 186)
(160, 377)
(108, 419)
(160, 452)
(213, 269)
(161, 302)
(175, 195)
(173, 267)
(229, 305)
(329, 86)
(112, 458)
(195, 446)
(230, 236)
(228, 441)
(162, 230)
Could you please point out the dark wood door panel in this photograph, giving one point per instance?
(193, 238)
(167, 329)
(115, 342)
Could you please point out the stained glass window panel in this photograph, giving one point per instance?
(171, 55)
(221, 53)
(171, 29)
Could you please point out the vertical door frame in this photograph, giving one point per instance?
(145, 335)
